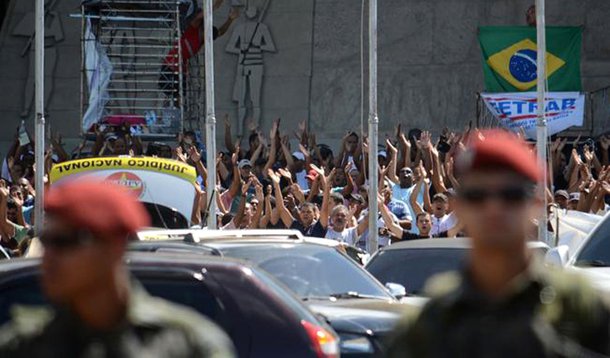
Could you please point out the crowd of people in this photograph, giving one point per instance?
(286, 179)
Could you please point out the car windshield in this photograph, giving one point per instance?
(413, 267)
(311, 271)
(596, 251)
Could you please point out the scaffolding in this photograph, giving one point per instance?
(137, 76)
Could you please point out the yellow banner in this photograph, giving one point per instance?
(159, 165)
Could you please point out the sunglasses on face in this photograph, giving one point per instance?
(508, 195)
(65, 242)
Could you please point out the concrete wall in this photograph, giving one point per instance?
(429, 62)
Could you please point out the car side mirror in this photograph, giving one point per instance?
(557, 256)
(397, 290)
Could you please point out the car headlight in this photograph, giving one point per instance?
(351, 343)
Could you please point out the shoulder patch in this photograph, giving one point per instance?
(443, 284)
(29, 321)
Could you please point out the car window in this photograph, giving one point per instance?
(27, 292)
(412, 268)
(309, 270)
(596, 251)
(189, 293)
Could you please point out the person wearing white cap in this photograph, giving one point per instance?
(299, 170)
(573, 202)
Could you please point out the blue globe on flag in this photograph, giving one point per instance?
(522, 65)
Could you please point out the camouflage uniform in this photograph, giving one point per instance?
(152, 328)
(545, 314)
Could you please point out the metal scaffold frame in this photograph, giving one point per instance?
(145, 82)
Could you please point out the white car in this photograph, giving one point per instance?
(591, 258)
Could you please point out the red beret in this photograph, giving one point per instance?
(101, 208)
(499, 149)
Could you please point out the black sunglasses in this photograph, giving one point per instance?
(508, 195)
(66, 241)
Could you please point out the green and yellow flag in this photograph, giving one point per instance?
(509, 58)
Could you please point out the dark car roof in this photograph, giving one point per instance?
(141, 259)
(448, 243)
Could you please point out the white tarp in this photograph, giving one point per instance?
(98, 69)
(518, 110)
(574, 227)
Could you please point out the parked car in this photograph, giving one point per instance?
(355, 304)
(262, 318)
(591, 258)
(153, 234)
(411, 263)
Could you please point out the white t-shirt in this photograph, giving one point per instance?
(440, 224)
(348, 236)
(382, 240)
(302, 180)
(404, 194)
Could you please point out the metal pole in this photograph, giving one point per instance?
(373, 130)
(541, 129)
(210, 120)
(40, 121)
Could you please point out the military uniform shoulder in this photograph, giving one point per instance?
(571, 286)
(443, 284)
(201, 332)
(26, 322)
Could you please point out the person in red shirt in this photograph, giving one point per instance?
(191, 42)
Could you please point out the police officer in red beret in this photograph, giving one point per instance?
(503, 304)
(100, 313)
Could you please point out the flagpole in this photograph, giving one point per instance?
(541, 125)
(210, 120)
(39, 120)
(373, 127)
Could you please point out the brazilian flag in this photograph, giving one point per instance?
(509, 58)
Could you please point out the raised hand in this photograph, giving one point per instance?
(404, 141)
(391, 148)
(575, 144)
(286, 174)
(312, 141)
(245, 186)
(180, 155)
(274, 129)
(304, 150)
(235, 155)
(4, 192)
(194, 154)
(588, 154)
(273, 176)
(348, 168)
(425, 141)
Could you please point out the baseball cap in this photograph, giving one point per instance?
(440, 196)
(563, 193)
(499, 150)
(382, 153)
(574, 196)
(356, 197)
(244, 163)
(299, 155)
(98, 207)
